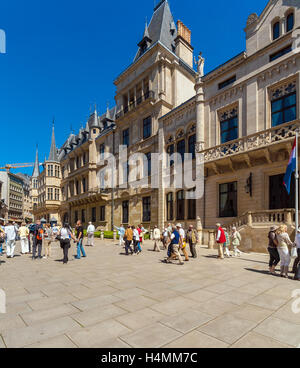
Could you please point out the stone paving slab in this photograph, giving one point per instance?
(98, 335)
(195, 339)
(110, 300)
(153, 336)
(62, 342)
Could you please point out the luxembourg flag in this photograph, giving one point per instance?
(290, 169)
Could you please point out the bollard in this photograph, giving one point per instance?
(115, 235)
(102, 235)
(151, 234)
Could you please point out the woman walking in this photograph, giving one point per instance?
(273, 251)
(227, 244)
(24, 232)
(236, 241)
(284, 242)
(65, 243)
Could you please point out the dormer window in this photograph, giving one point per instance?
(290, 22)
(276, 30)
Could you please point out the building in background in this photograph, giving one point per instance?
(241, 117)
(48, 183)
(27, 200)
(12, 193)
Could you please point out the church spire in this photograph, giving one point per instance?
(36, 169)
(53, 150)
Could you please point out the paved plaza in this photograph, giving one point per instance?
(109, 300)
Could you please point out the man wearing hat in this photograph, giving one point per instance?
(273, 251)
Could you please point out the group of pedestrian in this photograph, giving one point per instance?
(228, 242)
(281, 250)
(131, 238)
(175, 240)
(36, 237)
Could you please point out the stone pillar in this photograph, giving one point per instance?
(249, 219)
(211, 243)
(115, 235)
(102, 235)
(288, 217)
(200, 140)
(161, 189)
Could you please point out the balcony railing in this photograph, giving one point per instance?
(134, 104)
(252, 142)
(267, 217)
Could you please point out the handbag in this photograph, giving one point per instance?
(294, 253)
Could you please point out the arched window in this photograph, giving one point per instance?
(180, 205)
(276, 30)
(290, 22)
(181, 148)
(170, 207)
(192, 145)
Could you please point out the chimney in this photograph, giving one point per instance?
(184, 49)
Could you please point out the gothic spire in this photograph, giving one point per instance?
(53, 150)
(36, 169)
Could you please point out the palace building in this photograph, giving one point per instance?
(241, 117)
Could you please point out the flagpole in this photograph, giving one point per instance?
(297, 185)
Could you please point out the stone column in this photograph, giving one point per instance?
(200, 144)
(161, 190)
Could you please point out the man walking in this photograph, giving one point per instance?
(79, 236)
(37, 240)
(91, 234)
(182, 242)
(121, 233)
(175, 240)
(156, 238)
(221, 240)
(128, 240)
(192, 238)
(11, 234)
(24, 232)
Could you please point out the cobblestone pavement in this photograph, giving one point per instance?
(110, 300)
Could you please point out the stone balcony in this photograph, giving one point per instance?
(261, 145)
(92, 195)
(133, 105)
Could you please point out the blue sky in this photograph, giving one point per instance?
(63, 56)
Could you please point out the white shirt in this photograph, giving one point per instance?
(91, 229)
(65, 233)
(219, 235)
(298, 241)
(10, 232)
(182, 233)
(156, 234)
(136, 234)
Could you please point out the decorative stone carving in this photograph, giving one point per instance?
(252, 142)
(283, 90)
(252, 19)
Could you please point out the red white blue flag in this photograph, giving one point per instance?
(290, 169)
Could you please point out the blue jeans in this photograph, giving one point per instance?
(80, 250)
(1, 250)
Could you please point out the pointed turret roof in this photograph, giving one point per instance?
(161, 28)
(36, 169)
(53, 150)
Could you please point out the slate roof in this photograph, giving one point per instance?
(161, 28)
(53, 156)
(103, 123)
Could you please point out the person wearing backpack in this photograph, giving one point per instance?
(38, 236)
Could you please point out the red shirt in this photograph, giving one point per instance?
(222, 239)
(140, 232)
